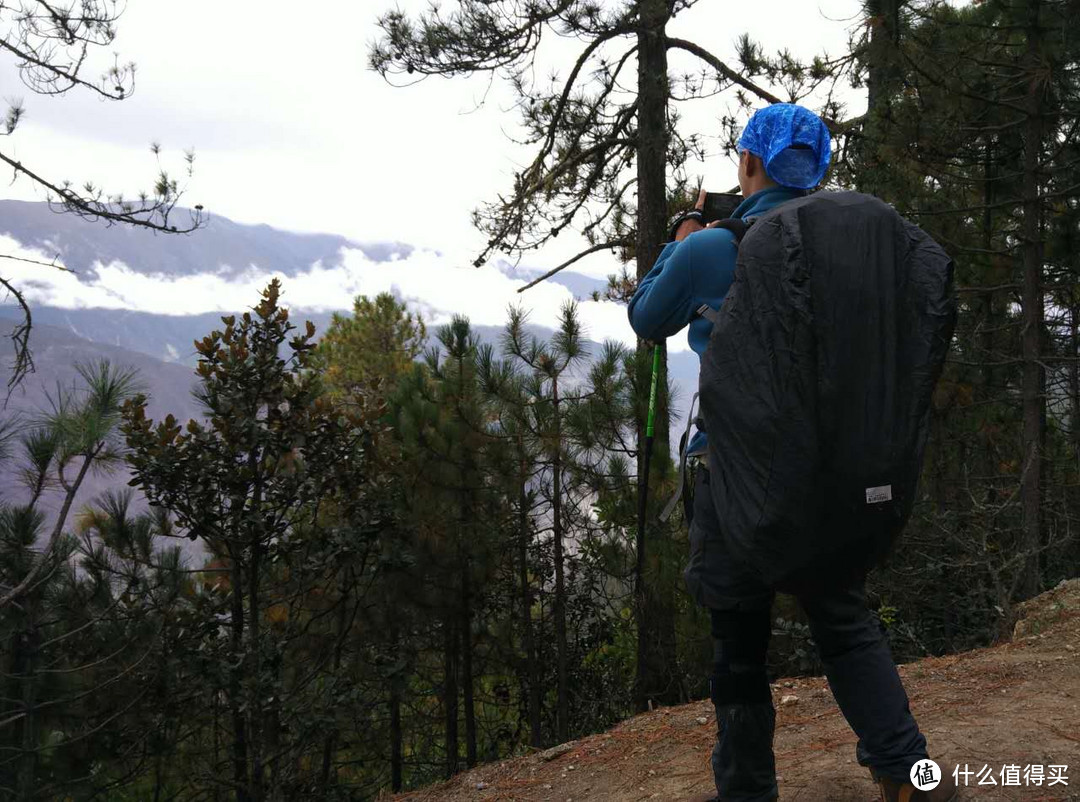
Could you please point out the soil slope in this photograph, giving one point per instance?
(1015, 703)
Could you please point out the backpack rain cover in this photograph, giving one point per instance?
(816, 384)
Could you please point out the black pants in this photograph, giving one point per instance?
(857, 660)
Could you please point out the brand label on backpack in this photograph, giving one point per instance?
(876, 495)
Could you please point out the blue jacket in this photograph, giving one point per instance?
(699, 270)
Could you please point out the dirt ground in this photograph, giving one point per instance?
(1016, 703)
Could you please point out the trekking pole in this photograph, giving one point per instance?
(643, 482)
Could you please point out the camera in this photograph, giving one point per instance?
(720, 206)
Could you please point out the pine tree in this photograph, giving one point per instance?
(454, 505)
(49, 43)
(83, 646)
(372, 350)
(365, 357)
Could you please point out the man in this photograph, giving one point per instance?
(783, 153)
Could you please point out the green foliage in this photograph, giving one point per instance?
(82, 644)
(371, 351)
(275, 485)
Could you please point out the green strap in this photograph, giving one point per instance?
(650, 423)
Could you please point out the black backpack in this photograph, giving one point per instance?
(816, 384)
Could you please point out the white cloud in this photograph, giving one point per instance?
(432, 283)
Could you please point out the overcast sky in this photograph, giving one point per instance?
(290, 128)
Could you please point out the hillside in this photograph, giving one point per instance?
(56, 353)
(1013, 703)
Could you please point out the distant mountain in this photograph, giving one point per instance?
(169, 338)
(221, 245)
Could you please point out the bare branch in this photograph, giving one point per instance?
(603, 246)
(20, 337)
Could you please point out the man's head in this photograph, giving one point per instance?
(752, 175)
(785, 145)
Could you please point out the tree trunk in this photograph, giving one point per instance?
(531, 667)
(1074, 384)
(450, 695)
(236, 707)
(992, 318)
(25, 654)
(1032, 388)
(884, 19)
(255, 666)
(562, 710)
(396, 737)
(466, 669)
(215, 794)
(161, 692)
(330, 742)
(395, 733)
(652, 145)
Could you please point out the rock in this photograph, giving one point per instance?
(702, 720)
(480, 786)
(789, 699)
(557, 751)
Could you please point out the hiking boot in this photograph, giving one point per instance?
(895, 791)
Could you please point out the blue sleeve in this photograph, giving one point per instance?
(668, 297)
(661, 304)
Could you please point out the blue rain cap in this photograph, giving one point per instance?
(793, 143)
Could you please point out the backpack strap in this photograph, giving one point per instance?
(738, 227)
(708, 313)
(680, 489)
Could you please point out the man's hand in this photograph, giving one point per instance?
(688, 227)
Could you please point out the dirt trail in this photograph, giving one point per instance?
(1015, 703)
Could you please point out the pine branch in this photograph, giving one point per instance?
(90, 208)
(722, 68)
